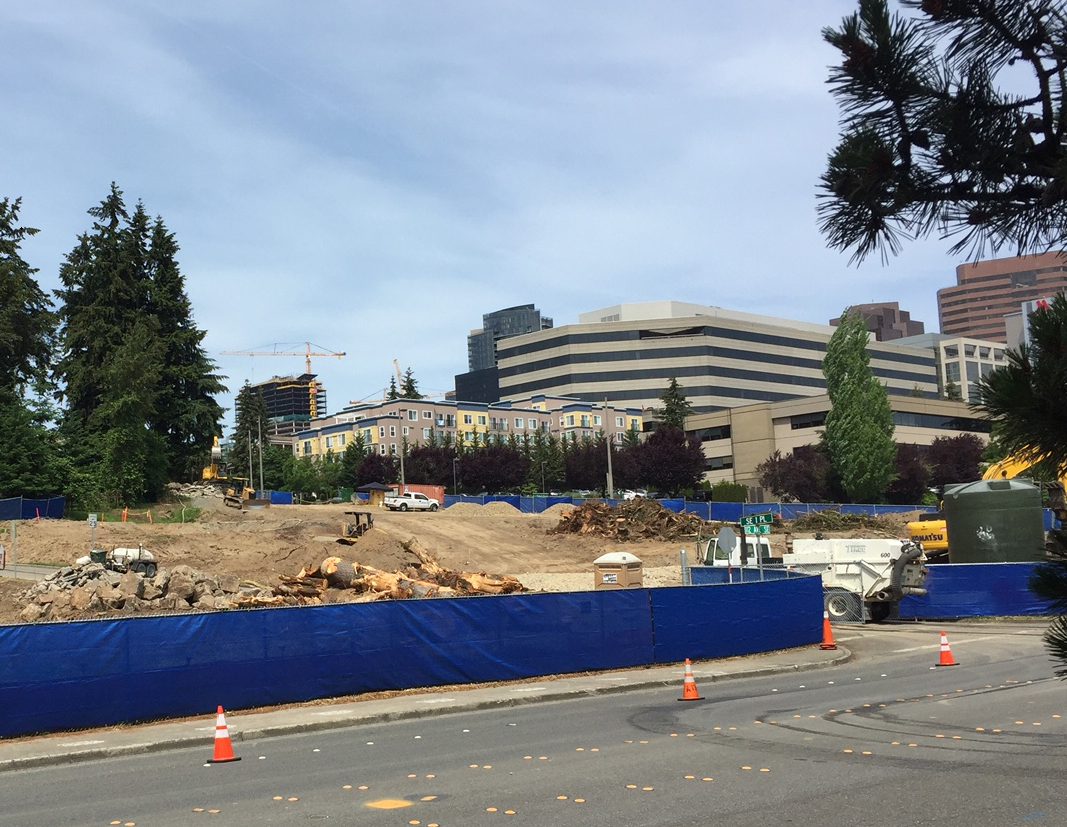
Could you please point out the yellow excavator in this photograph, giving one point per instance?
(932, 531)
(236, 490)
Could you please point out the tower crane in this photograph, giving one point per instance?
(307, 353)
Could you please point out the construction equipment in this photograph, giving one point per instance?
(242, 495)
(355, 526)
(307, 353)
(211, 472)
(932, 530)
(122, 560)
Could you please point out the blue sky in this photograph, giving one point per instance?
(373, 177)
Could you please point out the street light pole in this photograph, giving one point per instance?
(543, 491)
(607, 432)
(455, 487)
(403, 482)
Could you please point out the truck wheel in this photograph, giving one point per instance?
(403, 506)
(433, 506)
(880, 611)
(842, 604)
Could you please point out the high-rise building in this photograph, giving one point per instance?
(627, 354)
(886, 321)
(500, 324)
(987, 291)
(291, 402)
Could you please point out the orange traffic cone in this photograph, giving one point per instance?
(946, 653)
(223, 748)
(689, 686)
(827, 633)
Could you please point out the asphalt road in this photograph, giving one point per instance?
(888, 739)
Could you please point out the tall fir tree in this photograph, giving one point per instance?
(859, 425)
(409, 388)
(130, 358)
(187, 413)
(676, 407)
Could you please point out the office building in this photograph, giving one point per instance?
(626, 354)
(987, 291)
(886, 321)
(500, 324)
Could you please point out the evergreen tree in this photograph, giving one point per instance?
(393, 393)
(675, 408)
(953, 392)
(27, 322)
(409, 389)
(187, 413)
(859, 425)
(250, 425)
(931, 144)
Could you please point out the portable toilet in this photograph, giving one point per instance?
(617, 570)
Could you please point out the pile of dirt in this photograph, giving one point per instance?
(834, 522)
(637, 519)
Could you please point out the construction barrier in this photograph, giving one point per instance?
(24, 508)
(956, 590)
(100, 673)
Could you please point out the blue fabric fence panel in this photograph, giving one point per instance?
(510, 499)
(21, 508)
(722, 621)
(718, 575)
(281, 497)
(975, 590)
(11, 508)
(105, 672)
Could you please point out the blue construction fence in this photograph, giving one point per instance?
(99, 673)
(953, 590)
(25, 508)
(720, 511)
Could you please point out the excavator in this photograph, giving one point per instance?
(932, 532)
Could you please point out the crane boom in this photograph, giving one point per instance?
(307, 353)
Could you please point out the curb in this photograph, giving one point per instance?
(356, 718)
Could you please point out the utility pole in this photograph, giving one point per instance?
(251, 478)
(611, 482)
(403, 417)
(261, 455)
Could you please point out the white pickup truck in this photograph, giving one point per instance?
(411, 501)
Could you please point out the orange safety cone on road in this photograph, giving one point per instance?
(689, 686)
(827, 633)
(946, 653)
(223, 747)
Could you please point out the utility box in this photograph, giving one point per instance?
(617, 570)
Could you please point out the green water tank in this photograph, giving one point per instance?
(994, 521)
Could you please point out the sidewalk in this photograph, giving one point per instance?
(104, 743)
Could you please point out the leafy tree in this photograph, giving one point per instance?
(954, 459)
(930, 142)
(494, 468)
(802, 476)
(586, 464)
(671, 461)
(953, 392)
(725, 491)
(1025, 397)
(859, 425)
(383, 468)
(675, 408)
(911, 476)
(430, 465)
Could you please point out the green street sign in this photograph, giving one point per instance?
(757, 529)
(758, 519)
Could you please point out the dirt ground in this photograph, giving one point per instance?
(260, 544)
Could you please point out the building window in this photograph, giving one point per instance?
(518, 423)
(619, 421)
(952, 371)
(972, 371)
(718, 463)
(481, 419)
(381, 432)
(392, 448)
(712, 434)
(392, 430)
(427, 414)
(468, 419)
(811, 420)
(405, 430)
(341, 439)
(570, 420)
(633, 424)
(307, 447)
(329, 442)
(381, 449)
(532, 424)
(585, 420)
(450, 420)
(413, 415)
(952, 352)
(426, 433)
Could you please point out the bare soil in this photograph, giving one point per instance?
(260, 544)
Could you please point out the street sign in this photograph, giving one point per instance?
(727, 539)
(757, 529)
(92, 521)
(758, 519)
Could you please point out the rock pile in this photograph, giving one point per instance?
(91, 590)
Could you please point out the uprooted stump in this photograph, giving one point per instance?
(637, 519)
